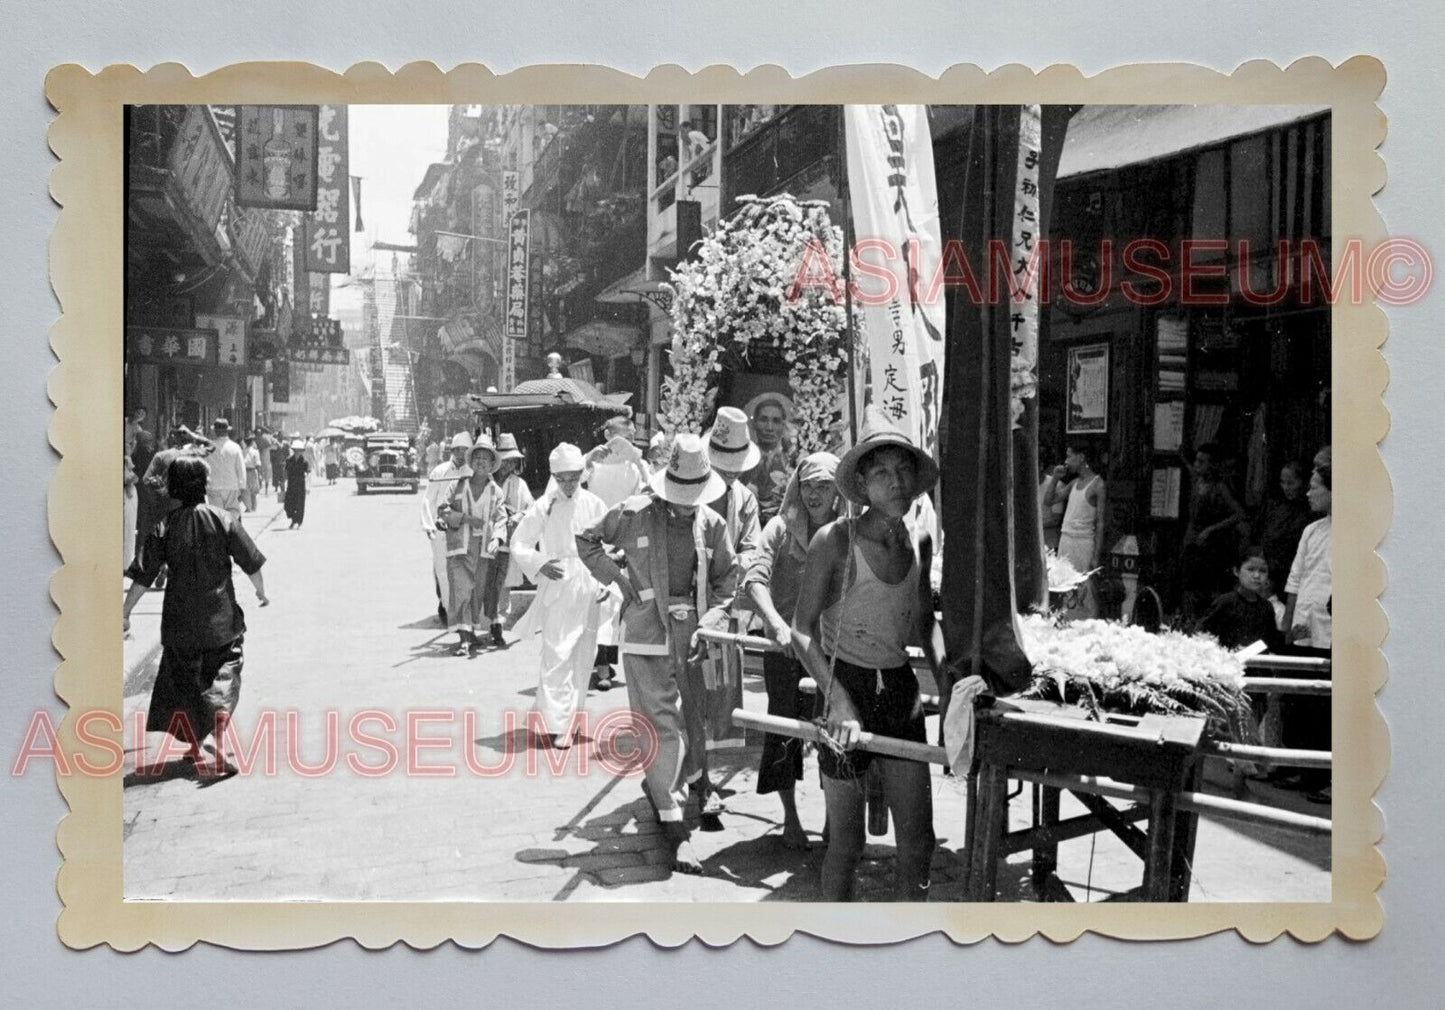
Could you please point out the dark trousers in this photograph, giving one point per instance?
(782, 762)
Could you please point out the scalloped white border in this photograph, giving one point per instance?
(86, 270)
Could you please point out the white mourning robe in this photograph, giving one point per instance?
(565, 611)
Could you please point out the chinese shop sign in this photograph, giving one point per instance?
(276, 156)
(328, 230)
(153, 345)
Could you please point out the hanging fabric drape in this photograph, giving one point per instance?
(993, 554)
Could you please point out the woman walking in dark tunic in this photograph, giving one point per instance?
(202, 626)
(297, 467)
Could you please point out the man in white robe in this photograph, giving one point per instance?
(567, 610)
(439, 486)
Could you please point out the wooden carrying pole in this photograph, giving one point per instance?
(908, 750)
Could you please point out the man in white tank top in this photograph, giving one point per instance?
(1081, 533)
(865, 597)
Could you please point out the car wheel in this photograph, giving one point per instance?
(361, 489)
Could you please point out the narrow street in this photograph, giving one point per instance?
(352, 629)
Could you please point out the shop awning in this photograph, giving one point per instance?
(1103, 137)
(605, 338)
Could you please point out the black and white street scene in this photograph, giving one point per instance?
(727, 503)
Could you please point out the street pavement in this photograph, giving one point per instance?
(351, 631)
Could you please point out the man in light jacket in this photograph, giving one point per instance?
(680, 576)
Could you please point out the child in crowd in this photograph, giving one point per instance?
(1244, 615)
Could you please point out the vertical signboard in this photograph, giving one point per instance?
(511, 193)
(328, 230)
(518, 285)
(200, 166)
(231, 334)
(276, 156)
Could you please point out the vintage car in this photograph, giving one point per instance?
(387, 461)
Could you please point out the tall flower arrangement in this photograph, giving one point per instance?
(742, 292)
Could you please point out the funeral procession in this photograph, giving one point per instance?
(727, 503)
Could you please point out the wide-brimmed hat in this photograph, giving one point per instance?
(689, 478)
(298, 444)
(878, 432)
(730, 446)
(565, 458)
(507, 447)
(483, 442)
(461, 440)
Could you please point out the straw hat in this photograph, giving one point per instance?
(878, 431)
(689, 478)
(566, 458)
(730, 447)
(507, 447)
(297, 445)
(461, 440)
(483, 442)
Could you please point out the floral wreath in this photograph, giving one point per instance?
(747, 288)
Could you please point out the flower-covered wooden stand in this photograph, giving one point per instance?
(1152, 761)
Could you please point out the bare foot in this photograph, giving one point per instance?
(795, 838)
(684, 860)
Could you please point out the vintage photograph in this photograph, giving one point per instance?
(727, 503)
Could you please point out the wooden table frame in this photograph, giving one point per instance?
(1159, 758)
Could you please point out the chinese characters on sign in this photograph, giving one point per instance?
(328, 231)
(1024, 312)
(200, 166)
(316, 355)
(518, 282)
(231, 335)
(276, 156)
(1088, 390)
(511, 194)
(151, 345)
(319, 295)
(895, 210)
(252, 238)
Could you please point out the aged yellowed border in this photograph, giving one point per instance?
(86, 272)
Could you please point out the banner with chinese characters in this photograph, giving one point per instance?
(897, 249)
(1024, 318)
(153, 345)
(328, 231)
(518, 283)
(200, 167)
(511, 193)
(311, 354)
(276, 156)
(252, 238)
(231, 338)
(318, 294)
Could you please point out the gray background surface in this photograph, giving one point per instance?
(1400, 968)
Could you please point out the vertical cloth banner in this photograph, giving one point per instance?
(990, 462)
(328, 230)
(518, 280)
(897, 245)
